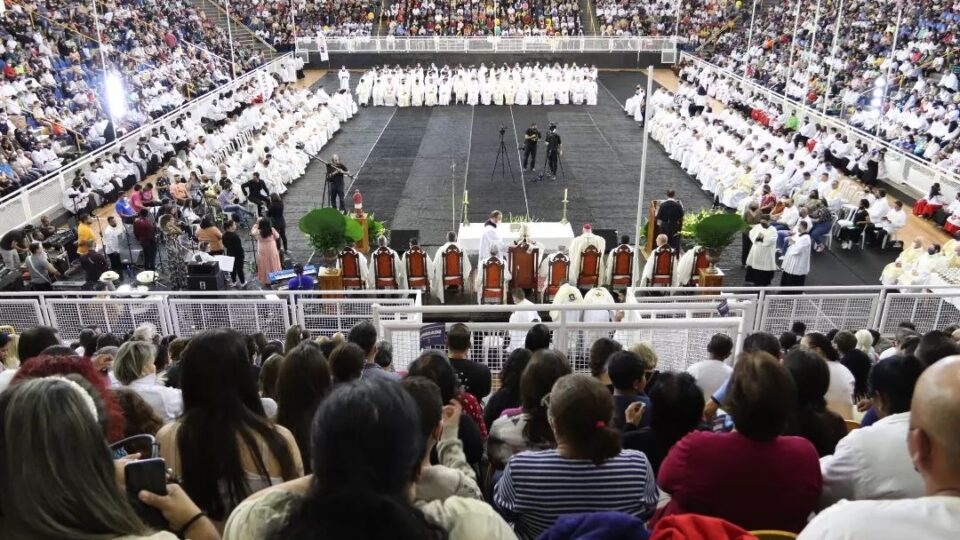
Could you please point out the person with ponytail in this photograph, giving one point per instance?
(811, 419)
(586, 472)
(367, 449)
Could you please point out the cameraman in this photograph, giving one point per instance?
(554, 150)
(530, 146)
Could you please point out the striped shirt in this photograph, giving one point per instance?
(539, 487)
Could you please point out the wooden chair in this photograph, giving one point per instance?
(773, 535)
(851, 425)
(492, 285)
(662, 268)
(621, 275)
(588, 275)
(523, 265)
(453, 268)
(350, 269)
(417, 269)
(700, 261)
(383, 275)
(557, 274)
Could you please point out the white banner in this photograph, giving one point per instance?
(322, 47)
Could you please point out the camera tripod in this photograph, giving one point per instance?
(546, 162)
(503, 159)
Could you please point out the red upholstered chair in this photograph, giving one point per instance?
(453, 268)
(621, 275)
(700, 261)
(662, 268)
(523, 265)
(417, 269)
(383, 275)
(588, 275)
(350, 269)
(557, 274)
(492, 291)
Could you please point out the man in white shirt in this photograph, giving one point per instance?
(112, 234)
(710, 374)
(491, 236)
(932, 444)
(517, 337)
(872, 462)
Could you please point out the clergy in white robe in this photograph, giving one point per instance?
(436, 273)
(567, 295)
(430, 92)
(399, 272)
(647, 276)
(596, 297)
(480, 284)
(529, 316)
(344, 76)
(580, 243)
(473, 92)
(491, 236)
(796, 261)
(684, 270)
(607, 278)
(762, 258)
(444, 89)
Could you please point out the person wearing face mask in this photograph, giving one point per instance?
(762, 259)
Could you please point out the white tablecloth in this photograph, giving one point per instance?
(550, 235)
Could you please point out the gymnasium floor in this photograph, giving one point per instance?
(404, 159)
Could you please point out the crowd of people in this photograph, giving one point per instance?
(53, 94)
(487, 18)
(265, 439)
(274, 23)
(417, 86)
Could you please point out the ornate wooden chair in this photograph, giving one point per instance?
(523, 265)
(417, 269)
(700, 261)
(453, 268)
(492, 286)
(558, 272)
(621, 275)
(350, 269)
(588, 275)
(383, 275)
(662, 268)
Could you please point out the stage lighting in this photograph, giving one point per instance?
(116, 95)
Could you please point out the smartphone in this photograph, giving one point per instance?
(149, 475)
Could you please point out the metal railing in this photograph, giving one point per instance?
(678, 322)
(488, 44)
(901, 168)
(44, 196)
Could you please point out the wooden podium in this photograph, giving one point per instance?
(652, 229)
(331, 279)
(363, 246)
(710, 280)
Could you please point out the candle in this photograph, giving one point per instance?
(466, 197)
(564, 194)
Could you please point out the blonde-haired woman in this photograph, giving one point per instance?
(134, 368)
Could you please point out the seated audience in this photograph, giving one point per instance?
(302, 383)
(811, 419)
(712, 372)
(588, 469)
(474, 376)
(134, 368)
(839, 394)
(508, 395)
(629, 378)
(855, 360)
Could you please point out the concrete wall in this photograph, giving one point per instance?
(603, 60)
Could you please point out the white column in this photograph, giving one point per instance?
(96, 22)
(753, 17)
(793, 46)
(833, 59)
(886, 73)
(233, 63)
(643, 176)
(676, 25)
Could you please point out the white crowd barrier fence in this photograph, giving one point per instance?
(489, 44)
(44, 196)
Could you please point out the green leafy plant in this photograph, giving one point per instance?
(329, 230)
(375, 228)
(520, 218)
(690, 221)
(715, 232)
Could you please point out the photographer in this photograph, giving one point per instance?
(554, 150)
(530, 141)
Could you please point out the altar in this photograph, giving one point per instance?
(550, 235)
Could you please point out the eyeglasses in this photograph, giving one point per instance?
(545, 401)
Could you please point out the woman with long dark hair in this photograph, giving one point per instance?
(508, 396)
(57, 473)
(275, 213)
(811, 419)
(268, 256)
(304, 380)
(839, 394)
(530, 429)
(223, 447)
(367, 451)
(587, 470)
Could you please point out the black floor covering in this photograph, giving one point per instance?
(404, 157)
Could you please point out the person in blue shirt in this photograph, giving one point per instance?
(124, 208)
(629, 378)
(300, 282)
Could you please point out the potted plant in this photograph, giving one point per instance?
(329, 231)
(375, 228)
(715, 232)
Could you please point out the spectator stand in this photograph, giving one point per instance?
(44, 196)
(900, 169)
(490, 44)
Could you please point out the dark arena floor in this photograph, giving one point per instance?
(402, 160)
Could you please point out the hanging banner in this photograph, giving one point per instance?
(322, 47)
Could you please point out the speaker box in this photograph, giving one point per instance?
(203, 268)
(197, 282)
(399, 239)
(610, 237)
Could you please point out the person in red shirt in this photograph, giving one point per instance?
(136, 199)
(145, 233)
(752, 477)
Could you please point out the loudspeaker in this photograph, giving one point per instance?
(399, 239)
(203, 268)
(610, 237)
(197, 282)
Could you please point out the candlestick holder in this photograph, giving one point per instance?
(466, 208)
(563, 220)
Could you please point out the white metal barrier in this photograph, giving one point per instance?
(926, 311)
(44, 196)
(901, 168)
(327, 315)
(114, 315)
(488, 44)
